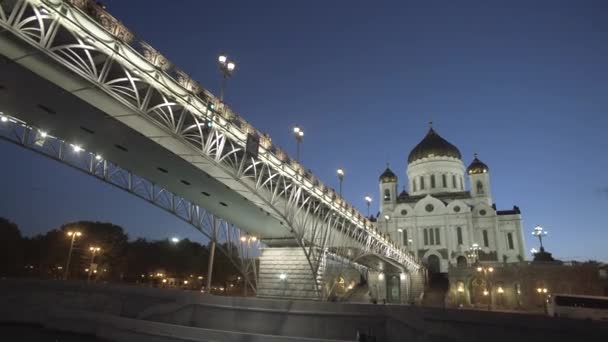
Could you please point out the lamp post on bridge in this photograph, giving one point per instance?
(340, 173)
(368, 201)
(227, 68)
(73, 236)
(386, 219)
(298, 133)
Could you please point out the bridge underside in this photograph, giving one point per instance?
(53, 97)
(61, 112)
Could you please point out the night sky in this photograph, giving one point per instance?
(522, 83)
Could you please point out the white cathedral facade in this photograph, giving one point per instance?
(438, 219)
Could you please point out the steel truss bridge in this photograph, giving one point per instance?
(73, 77)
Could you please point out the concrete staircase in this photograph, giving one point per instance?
(293, 264)
(435, 292)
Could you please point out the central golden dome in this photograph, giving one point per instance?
(433, 145)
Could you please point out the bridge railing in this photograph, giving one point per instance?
(157, 69)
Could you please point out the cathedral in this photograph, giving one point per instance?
(440, 218)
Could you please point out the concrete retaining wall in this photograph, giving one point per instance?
(125, 313)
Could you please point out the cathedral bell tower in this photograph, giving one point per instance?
(479, 178)
(388, 190)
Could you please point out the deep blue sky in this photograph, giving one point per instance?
(523, 83)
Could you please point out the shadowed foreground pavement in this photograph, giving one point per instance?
(31, 332)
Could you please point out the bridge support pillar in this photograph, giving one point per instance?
(285, 273)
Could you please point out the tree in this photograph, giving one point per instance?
(11, 253)
(113, 241)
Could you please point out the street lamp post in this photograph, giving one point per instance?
(542, 292)
(340, 173)
(73, 236)
(94, 250)
(539, 232)
(486, 272)
(368, 201)
(247, 240)
(298, 133)
(474, 252)
(227, 68)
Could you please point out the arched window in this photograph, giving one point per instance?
(461, 186)
(444, 180)
(387, 195)
(486, 241)
(426, 237)
(510, 240)
(479, 187)
(459, 235)
(421, 182)
(437, 240)
(432, 181)
(454, 181)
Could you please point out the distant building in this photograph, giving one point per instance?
(522, 286)
(438, 218)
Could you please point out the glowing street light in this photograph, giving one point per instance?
(94, 250)
(298, 133)
(175, 239)
(368, 202)
(486, 272)
(73, 235)
(77, 148)
(3, 118)
(282, 276)
(227, 68)
(340, 173)
(474, 252)
(539, 232)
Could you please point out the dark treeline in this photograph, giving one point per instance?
(120, 260)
